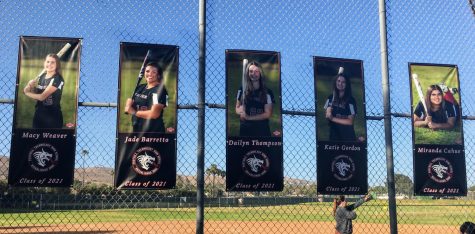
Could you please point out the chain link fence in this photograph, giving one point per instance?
(417, 31)
(431, 34)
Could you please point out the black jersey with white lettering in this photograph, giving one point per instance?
(54, 100)
(143, 100)
(440, 116)
(342, 110)
(255, 106)
(48, 112)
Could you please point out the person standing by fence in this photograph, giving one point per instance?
(344, 213)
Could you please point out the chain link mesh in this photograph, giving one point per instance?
(430, 33)
(297, 29)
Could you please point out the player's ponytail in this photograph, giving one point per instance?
(335, 205)
(336, 202)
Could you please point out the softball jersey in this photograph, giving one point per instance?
(143, 100)
(48, 112)
(342, 110)
(255, 106)
(440, 116)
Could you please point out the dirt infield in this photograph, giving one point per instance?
(226, 227)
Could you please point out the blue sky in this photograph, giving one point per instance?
(418, 31)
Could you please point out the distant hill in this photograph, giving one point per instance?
(100, 175)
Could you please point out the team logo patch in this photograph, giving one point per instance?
(43, 157)
(146, 161)
(170, 130)
(440, 170)
(255, 163)
(343, 167)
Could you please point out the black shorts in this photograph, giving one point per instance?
(254, 128)
(48, 118)
(149, 126)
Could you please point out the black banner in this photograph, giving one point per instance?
(439, 155)
(44, 127)
(254, 149)
(147, 114)
(341, 126)
(342, 168)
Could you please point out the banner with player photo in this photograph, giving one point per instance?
(437, 133)
(341, 126)
(254, 149)
(147, 117)
(45, 114)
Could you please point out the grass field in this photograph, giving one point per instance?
(429, 75)
(129, 73)
(26, 106)
(430, 212)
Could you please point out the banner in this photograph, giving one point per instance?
(439, 155)
(254, 160)
(45, 114)
(341, 126)
(147, 117)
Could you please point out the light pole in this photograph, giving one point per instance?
(84, 154)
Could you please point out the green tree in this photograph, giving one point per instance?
(404, 184)
(309, 190)
(379, 189)
(214, 171)
(183, 188)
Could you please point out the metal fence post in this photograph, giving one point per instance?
(387, 118)
(201, 120)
